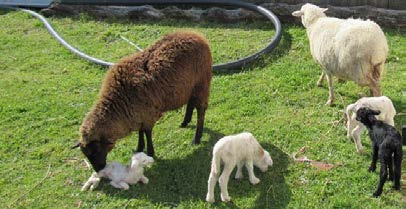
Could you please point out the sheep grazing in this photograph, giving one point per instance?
(355, 128)
(387, 141)
(241, 149)
(350, 49)
(136, 91)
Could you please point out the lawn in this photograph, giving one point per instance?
(45, 92)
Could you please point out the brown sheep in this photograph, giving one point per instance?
(136, 91)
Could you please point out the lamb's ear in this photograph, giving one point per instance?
(375, 112)
(324, 9)
(298, 13)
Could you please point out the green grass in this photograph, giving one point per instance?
(45, 91)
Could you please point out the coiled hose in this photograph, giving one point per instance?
(224, 66)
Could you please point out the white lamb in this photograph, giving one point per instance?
(120, 175)
(241, 149)
(355, 128)
(350, 49)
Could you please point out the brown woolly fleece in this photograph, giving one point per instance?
(139, 88)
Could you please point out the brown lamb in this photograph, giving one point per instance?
(136, 91)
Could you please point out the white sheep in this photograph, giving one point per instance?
(120, 175)
(241, 149)
(350, 49)
(355, 128)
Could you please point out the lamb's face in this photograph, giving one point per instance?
(141, 159)
(366, 115)
(96, 152)
(264, 162)
(309, 13)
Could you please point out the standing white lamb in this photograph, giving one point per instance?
(241, 149)
(350, 49)
(120, 175)
(355, 128)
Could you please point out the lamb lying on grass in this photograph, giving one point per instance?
(241, 149)
(121, 176)
(350, 49)
(387, 141)
(355, 128)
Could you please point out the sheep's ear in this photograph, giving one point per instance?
(298, 13)
(376, 112)
(324, 9)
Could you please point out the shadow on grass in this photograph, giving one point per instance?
(173, 181)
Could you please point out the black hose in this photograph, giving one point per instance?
(224, 66)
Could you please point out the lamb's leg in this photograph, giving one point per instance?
(390, 169)
(201, 110)
(385, 158)
(331, 90)
(375, 149)
(238, 174)
(223, 181)
(189, 111)
(250, 167)
(211, 184)
(144, 179)
(141, 145)
(150, 146)
(356, 135)
(397, 158)
(321, 79)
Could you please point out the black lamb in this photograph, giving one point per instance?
(387, 141)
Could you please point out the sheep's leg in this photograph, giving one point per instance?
(385, 158)
(250, 167)
(238, 174)
(200, 122)
(374, 84)
(321, 79)
(356, 135)
(150, 147)
(144, 179)
(211, 184)
(223, 181)
(189, 111)
(141, 145)
(397, 158)
(375, 149)
(390, 169)
(330, 89)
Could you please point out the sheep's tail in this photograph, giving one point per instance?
(215, 164)
(348, 111)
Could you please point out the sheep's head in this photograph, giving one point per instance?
(309, 13)
(96, 152)
(366, 115)
(264, 160)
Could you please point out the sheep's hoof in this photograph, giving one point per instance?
(183, 125)
(196, 141)
(361, 151)
(376, 194)
(225, 198)
(371, 169)
(329, 102)
(255, 181)
(209, 199)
